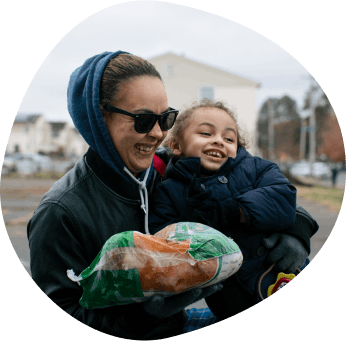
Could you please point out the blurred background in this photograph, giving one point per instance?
(288, 117)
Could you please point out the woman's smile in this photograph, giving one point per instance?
(145, 149)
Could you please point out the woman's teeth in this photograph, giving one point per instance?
(144, 149)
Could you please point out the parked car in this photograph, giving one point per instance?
(63, 166)
(9, 164)
(28, 163)
(319, 169)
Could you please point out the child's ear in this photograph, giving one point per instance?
(175, 146)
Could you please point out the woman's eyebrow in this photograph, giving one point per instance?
(148, 111)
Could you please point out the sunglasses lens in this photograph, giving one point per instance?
(167, 121)
(145, 123)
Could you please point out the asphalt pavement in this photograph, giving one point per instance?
(19, 199)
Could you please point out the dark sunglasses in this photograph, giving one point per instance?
(145, 122)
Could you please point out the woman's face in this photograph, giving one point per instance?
(141, 95)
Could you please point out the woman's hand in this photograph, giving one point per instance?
(288, 251)
(160, 307)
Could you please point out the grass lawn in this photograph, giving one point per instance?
(330, 197)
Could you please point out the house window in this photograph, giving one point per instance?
(169, 70)
(206, 92)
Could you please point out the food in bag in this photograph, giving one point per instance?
(133, 266)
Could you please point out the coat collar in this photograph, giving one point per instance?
(184, 168)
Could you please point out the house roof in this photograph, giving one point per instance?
(57, 126)
(207, 66)
(23, 118)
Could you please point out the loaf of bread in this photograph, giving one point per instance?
(133, 266)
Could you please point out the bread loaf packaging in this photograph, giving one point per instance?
(133, 266)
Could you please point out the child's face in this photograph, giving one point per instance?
(211, 135)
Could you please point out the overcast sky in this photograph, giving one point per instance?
(158, 28)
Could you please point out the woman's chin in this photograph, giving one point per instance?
(139, 167)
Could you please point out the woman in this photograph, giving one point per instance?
(101, 196)
(119, 105)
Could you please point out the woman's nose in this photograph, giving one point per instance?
(156, 132)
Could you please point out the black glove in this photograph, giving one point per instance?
(288, 251)
(229, 301)
(160, 307)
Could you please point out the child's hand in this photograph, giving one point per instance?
(197, 193)
(202, 208)
(197, 197)
(218, 214)
(243, 218)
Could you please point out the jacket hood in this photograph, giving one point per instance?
(183, 169)
(83, 98)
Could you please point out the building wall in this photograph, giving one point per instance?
(243, 101)
(35, 137)
(38, 136)
(17, 138)
(184, 78)
(76, 146)
(61, 141)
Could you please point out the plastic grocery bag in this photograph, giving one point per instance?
(133, 266)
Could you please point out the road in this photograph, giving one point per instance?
(20, 197)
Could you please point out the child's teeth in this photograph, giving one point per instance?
(214, 154)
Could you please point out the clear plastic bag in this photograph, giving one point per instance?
(133, 266)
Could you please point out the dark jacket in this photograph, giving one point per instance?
(68, 229)
(254, 184)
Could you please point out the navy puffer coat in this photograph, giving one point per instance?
(257, 185)
(254, 184)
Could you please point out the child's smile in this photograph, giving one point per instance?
(211, 135)
(215, 153)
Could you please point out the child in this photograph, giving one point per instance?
(213, 180)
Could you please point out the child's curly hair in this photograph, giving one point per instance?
(185, 116)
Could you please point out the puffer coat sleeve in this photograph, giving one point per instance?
(270, 203)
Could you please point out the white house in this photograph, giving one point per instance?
(187, 81)
(30, 133)
(60, 135)
(75, 144)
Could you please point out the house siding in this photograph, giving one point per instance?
(183, 79)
